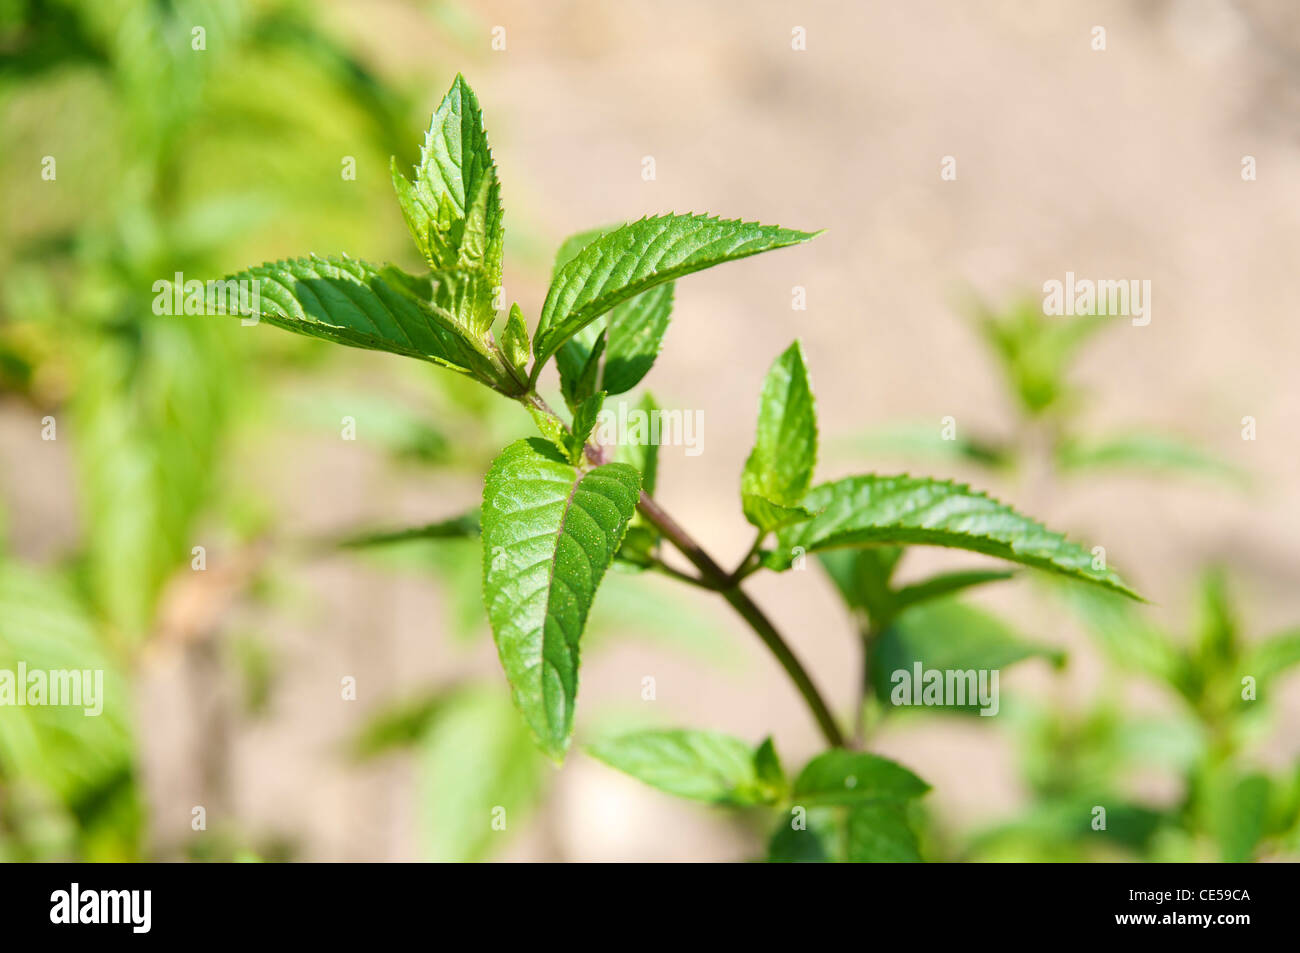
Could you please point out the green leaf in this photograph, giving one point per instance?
(477, 766)
(853, 777)
(611, 354)
(552, 428)
(780, 466)
(945, 635)
(353, 303)
(514, 342)
(806, 836)
(926, 440)
(579, 364)
(549, 533)
(945, 584)
(1216, 636)
(585, 416)
(84, 761)
(1128, 637)
(642, 537)
(1156, 452)
(699, 765)
(862, 577)
(644, 455)
(614, 353)
(767, 765)
(143, 475)
(879, 833)
(1273, 656)
(465, 526)
(400, 725)
(636, 334)
(1035, 350)
(570, 441)
(1236, 812)
(453, 208)
(904, 510)
(622, 264)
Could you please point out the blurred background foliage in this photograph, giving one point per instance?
(170, 159)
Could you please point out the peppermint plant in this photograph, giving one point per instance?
(559, 509)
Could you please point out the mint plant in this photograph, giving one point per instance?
(560, 509)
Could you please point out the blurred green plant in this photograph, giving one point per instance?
(1219, 690)
(1077, 763)
(136, 130)
(1034, 353)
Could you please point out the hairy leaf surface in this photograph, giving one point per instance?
(632, 259)
(549, 533)
(350, 302)
(905, 510)
(780, 467)
(453, 208)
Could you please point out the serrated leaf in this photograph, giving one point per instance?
(612, 353)
(453, 208)
(630, 260)
(514, 342)
(904, 510)
(879, 833)
(946, 636)
(768, 516)
(699, 765)
(552, 428)
(780, 467)
(549, 533)
(636, 334)
(854, 777)
(585, 416)
(581, 379)
(351, 302)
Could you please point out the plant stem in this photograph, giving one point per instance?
(713, 576)
(869, 633)
(751, 613)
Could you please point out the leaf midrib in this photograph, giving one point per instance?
(550, 588)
